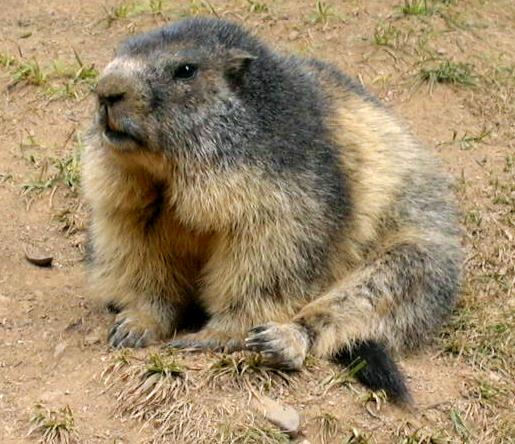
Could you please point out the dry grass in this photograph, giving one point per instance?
(174, 398)
(53, 426)
(58, 80)
(250, 432)
(241, 370)
(329, 427)
(155, 390)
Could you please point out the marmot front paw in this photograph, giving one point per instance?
(281, 345)
(132, 330)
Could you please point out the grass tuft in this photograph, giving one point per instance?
(164, 366)
(53, 426)
(156, 6)
(201, 7)
(416, 7)
(345, 378)
(241, 369)
(7, 60)
(78, 80)
(449, 72)
(158, 382)
(357, 437)
(54, 171)
(459, 425)
(322, 13)
(28, 72)
(467, 141)
(251, 434)
(410, 433)
(329, 427)
(386, 35)
(257, 7)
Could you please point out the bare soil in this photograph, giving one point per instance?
(52, 348)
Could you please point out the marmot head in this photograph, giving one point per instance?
(176, 88)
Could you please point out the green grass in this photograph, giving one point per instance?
(60, 81)
(28, 72)
(201, 7)
(344, 378)
(468, 141)
(68, 170)
(53, 171)
(7, 60)
(228, 364)
(322, 13)
(449, 72)
(480, 332)
(386, 35)
(257, 7)
(417, 434)
(115, 13)
(155, 6)
(74, 81)
(164, 365)
(357, 437)
(77, 84)
(416, 7)
(461, 428)
(53, 426)
(480, 337)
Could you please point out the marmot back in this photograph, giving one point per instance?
(272, 192)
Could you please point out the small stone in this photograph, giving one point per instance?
(39, 258)
(294, 35)
(50, 396)
(92, 339)
(281, 415)
(59, 349)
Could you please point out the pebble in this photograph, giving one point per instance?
(92, 339)
(38, 258)
(281, 415)
(59, 349)
(50, 396)
(294, 35)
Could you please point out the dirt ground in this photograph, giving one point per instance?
(446, 67)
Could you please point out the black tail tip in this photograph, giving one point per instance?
(378, 372)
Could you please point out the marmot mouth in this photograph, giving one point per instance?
(120, 137)
(117, 133)
(116, 137)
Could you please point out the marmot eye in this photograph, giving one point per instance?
(186, 71)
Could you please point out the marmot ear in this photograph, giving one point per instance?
(237, 63)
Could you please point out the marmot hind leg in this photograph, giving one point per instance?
(393, 303)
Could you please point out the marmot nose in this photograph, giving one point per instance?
(111, 99)
(111, 89)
